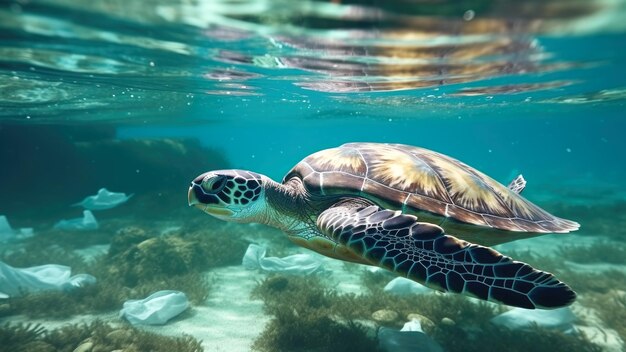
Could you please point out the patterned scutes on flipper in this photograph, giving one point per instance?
(422, 252)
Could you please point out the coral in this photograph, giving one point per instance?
(172, 255)
(125, 238)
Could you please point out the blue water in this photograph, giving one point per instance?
(531, 87)
(154, 75)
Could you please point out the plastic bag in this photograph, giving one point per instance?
(561, 319)
(402, 286)
(7, 233)
(293, 264)
(155, 309)
(409, 339)
(87, 222)
(19, 281)
(104, 199)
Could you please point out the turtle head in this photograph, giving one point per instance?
(231, 195)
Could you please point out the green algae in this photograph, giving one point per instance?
(597, 219)
(104, 296)
(136, 265)
(288, 332)
(611, 308)
(20, 337)
(97, 336)
(303, 319)
(461, 324)
(486, 336)
(600, 252)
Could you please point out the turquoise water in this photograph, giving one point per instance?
(141, 97)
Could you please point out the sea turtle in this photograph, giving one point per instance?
(418, 213)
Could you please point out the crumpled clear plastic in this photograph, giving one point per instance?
(87, 222)
(155, 309)
(104, 199)
(560, 319)
(18, 281)
(293, 264)
(7, 233)
(410, 339)
(403, 286)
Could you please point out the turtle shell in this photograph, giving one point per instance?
(425, 183)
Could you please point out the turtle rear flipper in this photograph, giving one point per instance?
(518, 184)
(423, 253)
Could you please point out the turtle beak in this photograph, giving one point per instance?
(218, 211)
(191, 196)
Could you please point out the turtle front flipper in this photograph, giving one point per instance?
(423, 253)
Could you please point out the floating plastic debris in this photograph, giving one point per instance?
(103, 200)
(410, 338)
(403, 286)
(25, 232)
(87, 222)
(293, 264)
(413, 325)
(7, 233)
(156, 309)
(17, 282)
(561, 319)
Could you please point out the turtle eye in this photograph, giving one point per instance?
(214, 184)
